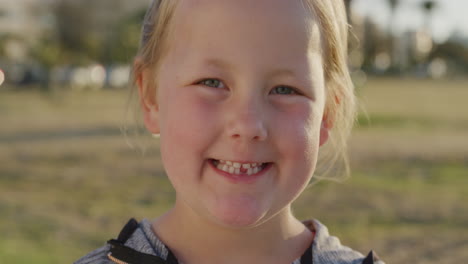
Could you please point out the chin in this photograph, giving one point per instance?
(239, 215)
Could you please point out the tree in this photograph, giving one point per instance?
(393, 6)
(123, 43)
(348, 10)
(74, 31)
(428, 8)
(87, 31)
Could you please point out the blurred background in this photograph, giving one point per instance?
(69, 179)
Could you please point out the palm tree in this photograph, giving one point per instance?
(348, 9)
(428, 7)
(393, 5)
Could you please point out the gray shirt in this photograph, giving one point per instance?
(326, 249)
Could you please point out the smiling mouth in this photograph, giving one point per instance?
(237, 168)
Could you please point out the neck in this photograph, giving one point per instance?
(193, 239)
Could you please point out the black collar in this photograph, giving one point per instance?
(127, 255)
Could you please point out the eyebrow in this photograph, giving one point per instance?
(282, 72)
(217, 63)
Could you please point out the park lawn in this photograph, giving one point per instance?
(69, 179)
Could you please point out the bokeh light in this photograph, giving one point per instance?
(2, 77)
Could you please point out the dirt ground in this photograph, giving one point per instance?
(69, 178)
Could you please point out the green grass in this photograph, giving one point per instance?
(69, 180)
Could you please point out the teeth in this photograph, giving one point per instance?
(239, 168)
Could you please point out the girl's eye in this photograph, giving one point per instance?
(283, 90)
(215, 83)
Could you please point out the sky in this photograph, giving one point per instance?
(448, 17)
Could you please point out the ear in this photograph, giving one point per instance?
(147, 97)
(325, 128)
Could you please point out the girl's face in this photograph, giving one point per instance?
(240, 100)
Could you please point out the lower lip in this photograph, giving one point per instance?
(242, 178)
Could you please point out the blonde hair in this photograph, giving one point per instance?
(155, 30)
(340, 108)
(340, 99)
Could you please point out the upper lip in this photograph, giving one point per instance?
(241, 161)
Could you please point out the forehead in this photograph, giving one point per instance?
(274, 21)
(277, 7)
(249, 36)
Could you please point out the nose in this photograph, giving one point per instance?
(247, 122)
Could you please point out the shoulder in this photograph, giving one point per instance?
(328, 249)
(141, 239)
(98, 256)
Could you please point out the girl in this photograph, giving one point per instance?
(243, 94)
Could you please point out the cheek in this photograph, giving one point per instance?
(304, 150)
(299, 131)
(184, 117)
(298, 145)
(187, 127)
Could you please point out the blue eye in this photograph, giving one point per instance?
(281, 89)
(215, 83)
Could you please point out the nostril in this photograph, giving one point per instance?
(248, 128)
(259, 137)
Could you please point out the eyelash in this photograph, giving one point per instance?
(204, 82)
(291, 90)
